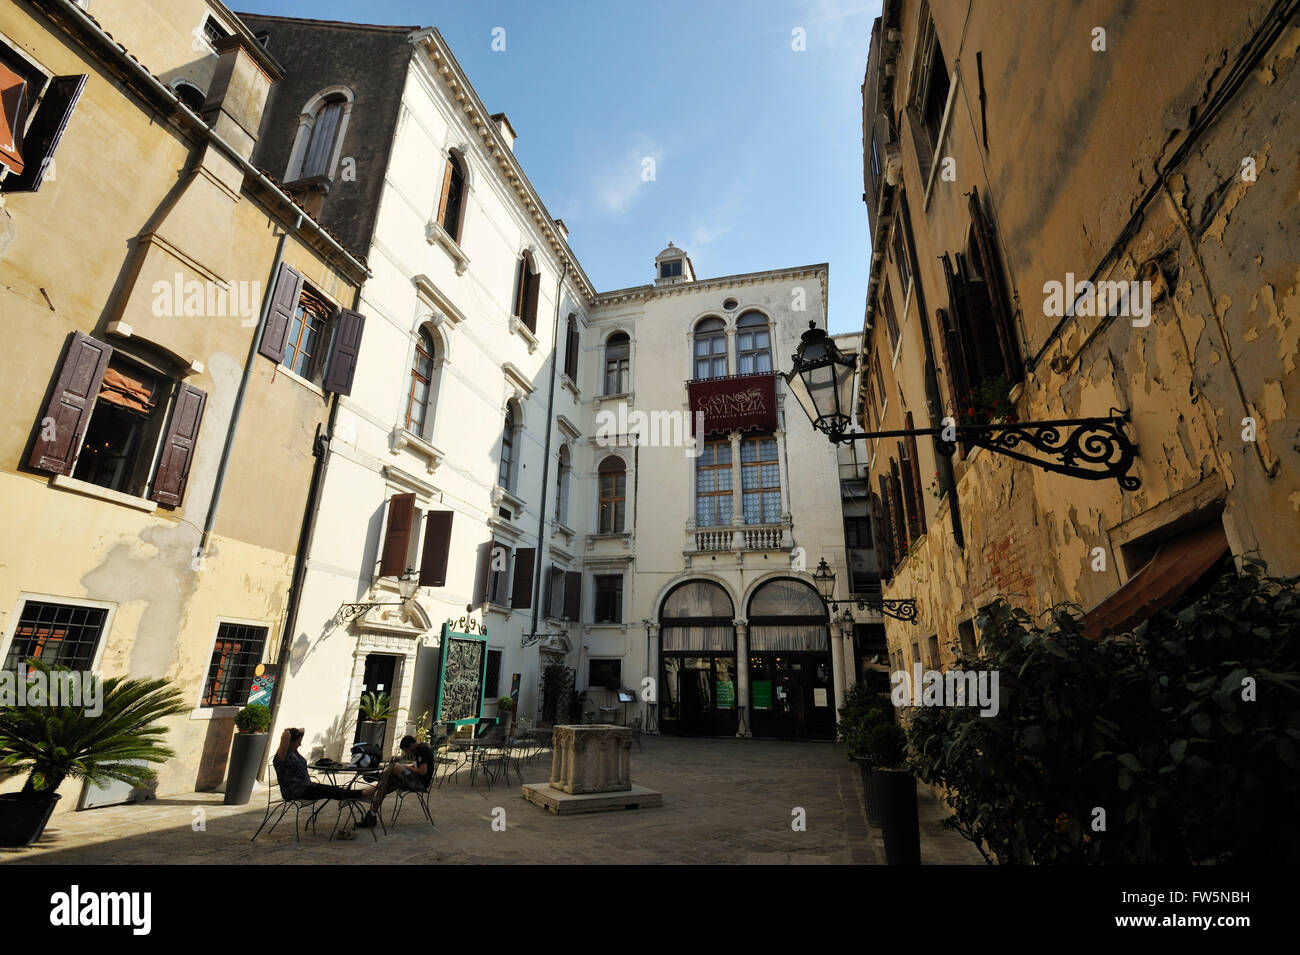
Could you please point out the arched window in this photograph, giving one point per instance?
(618, 351)
(418, 395)
(318, 160)
(753, 344)
(562, 486)
(710, 348)
(451, 204)
(528, 280)
(787, 615)
(698, 666)
(613, 495)
(506, 474)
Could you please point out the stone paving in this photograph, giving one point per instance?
(725, 802)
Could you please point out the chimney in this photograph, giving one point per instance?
(507, 131)
(237, 96)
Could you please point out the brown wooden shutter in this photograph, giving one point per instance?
(13, 113)
(178, 446)
(343, 354)
(61, 428)
(884, 530)
(531, 285)
(916, 474)
(485, 570)
(446, 192)
(397, 537)
(998, 298)
(521, 588)
(45, 132)
(573, 594)
(284, 303)
(437, 545)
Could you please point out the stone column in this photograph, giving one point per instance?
(742, 676)
(837, 661)
(737, 496)
(653, 639)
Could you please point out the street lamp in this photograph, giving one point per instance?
(900, 609)
(407, 585)
(821, 378)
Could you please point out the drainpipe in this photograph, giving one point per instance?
(546, 454)
(254, 344)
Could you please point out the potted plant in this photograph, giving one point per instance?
(506, 707)
(376, 708)
(860, 714)
(895, 792)
(246, 752)
(53, 743)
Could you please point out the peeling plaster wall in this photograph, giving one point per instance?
(1072, 150)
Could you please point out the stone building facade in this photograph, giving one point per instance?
(1150, 149)
(155, 464)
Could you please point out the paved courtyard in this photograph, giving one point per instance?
(724, 801)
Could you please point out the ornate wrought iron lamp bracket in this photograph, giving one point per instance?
(903, 608)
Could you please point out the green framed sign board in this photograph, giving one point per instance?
(462, 675)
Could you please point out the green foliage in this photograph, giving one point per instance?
(52, 743)
(1154, 728)
(254, 718)
(888, 743)
(987, 402)
(506, 704)
(376, 707)
(859, 715)
(423, 726)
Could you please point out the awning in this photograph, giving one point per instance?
(134, 390)
(1177, 565)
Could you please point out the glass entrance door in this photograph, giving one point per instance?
(699, 695)
(790, 696)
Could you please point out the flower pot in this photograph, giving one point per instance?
(865, 765)
(505, 718)
(23, 816)
(896, 803)
(246, 752)
(373, 731)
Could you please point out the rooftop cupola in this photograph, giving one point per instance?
(673, 267)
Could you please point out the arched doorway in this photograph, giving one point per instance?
(791, 684)
(697, 661)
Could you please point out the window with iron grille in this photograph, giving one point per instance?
(213, 31)
(56, 634)
(760, 481)
(235, 655)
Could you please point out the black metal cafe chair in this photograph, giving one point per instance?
(279, 808)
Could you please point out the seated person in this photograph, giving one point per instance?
(398, 776)
(291, 771)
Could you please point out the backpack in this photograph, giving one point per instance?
(367, 755)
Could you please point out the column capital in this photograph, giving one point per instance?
(738, 624)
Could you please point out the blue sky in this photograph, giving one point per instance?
(757, 147)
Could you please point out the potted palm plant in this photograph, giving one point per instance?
(246, 752)
(376, 708)
(54, 743)
(895, 792)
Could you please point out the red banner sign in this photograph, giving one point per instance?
(737, 403)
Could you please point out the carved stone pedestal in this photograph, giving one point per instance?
(591, 758)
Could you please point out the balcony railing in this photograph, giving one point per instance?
(740, 537)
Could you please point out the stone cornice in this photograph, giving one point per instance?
(644, 293)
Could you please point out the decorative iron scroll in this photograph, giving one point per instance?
(902, 608)
(1094, 449)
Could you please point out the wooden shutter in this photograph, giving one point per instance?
(485, 570)
(916, 474)
(437, 544)
(320, 151)
(178, 446)
(13, 100)
(997, 292)
(63, 425)
(521, 588)
(344, 352)
(571, 352)
(884, 530)
(397, 537)
(532, 283)
(517, 308)
(284, 303)
(446, 192)
(46, 130)
(573, 594)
